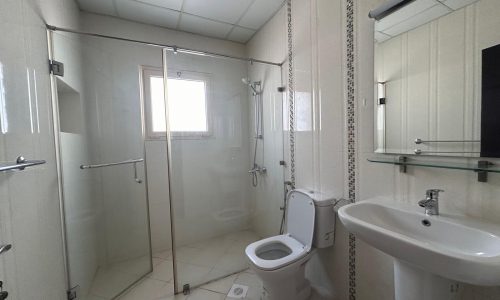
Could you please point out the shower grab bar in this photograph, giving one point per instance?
(20, 164)
(125, 162)
(420, 141)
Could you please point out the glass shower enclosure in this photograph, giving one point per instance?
(100, 136)
(215, 141)
(158, 153)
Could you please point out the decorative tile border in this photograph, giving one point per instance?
(351, 136)
(291, 94)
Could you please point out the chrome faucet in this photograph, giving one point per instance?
(431, 202)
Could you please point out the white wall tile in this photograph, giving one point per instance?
(464, 195)
(30, 216)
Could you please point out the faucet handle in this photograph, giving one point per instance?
(433, 193)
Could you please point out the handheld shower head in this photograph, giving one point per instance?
(251, 84)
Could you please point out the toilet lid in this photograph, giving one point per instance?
(300, 218)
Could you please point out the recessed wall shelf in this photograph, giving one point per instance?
(482, 168)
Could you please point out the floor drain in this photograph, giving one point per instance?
(238, 291)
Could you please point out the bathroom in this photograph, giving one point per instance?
(156, 149)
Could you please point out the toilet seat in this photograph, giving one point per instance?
(297, 251)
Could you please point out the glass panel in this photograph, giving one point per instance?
(216, 210)
(105, 208)
(472, 165)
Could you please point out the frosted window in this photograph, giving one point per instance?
(187, 105)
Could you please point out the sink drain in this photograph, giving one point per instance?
(426, 223)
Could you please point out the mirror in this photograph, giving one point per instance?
(437, 79)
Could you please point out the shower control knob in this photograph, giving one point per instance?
(4, 295)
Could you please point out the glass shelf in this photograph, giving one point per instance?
(482, 167)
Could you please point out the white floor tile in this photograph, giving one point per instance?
(187, 254)
(94, 297)
(139, 266)
(149, 289)
(249, 280)
(232, 263)
(109, 283)
(220, 286)
(201, 294)
(167, 254)
(192, 274)
(163, 271)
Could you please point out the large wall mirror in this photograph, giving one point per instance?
(437, 77)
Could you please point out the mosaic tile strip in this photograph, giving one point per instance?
(291, 95)
(351, 136)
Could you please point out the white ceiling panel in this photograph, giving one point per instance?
(405, 13)
(213, 18)
(417, 20)
(171, 4)
(381, 37)
(204, 27)
(229, 11)
(135, 11)
(260, 12)
(457, 4)
(240, 34)
(105, 7)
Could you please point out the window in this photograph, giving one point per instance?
(187, 104)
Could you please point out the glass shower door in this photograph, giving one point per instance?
(209, 142)
(102, 160)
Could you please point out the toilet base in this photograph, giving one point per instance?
(287, 283)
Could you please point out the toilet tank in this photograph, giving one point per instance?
(324, 221)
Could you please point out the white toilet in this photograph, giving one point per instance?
(279, 261)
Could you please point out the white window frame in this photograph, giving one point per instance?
(148, 72)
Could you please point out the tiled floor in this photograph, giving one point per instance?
(216, 290)
(211, 259)
(197, 263)
(112, 280)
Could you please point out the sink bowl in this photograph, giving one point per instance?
(454, 247)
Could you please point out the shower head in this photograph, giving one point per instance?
(252, 85)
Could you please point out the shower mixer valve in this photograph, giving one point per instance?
(258, 169)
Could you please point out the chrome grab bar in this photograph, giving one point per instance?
(20, 164)
(125, 162)
(419, 141)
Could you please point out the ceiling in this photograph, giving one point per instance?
(414, 15)
(234, 20)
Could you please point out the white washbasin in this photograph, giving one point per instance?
(454, 247)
